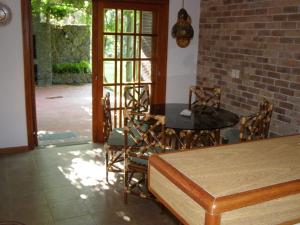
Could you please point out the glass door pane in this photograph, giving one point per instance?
(128, 45)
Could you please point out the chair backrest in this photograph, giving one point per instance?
(257, 126)
(144, 133)
(137, 98)
(267, 108)
(107, 124)
(173, 141)
(203, 138)
(204, 96)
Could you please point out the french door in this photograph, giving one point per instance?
(129, 49)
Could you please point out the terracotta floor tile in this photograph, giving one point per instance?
(65, 110)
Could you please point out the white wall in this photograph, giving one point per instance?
(182, 62)
(13, 130)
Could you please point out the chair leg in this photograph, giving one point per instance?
(126, 187)
(218, 136)
(189, 139)
(125, 197)
(106, 165)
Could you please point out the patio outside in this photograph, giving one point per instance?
(64, 114)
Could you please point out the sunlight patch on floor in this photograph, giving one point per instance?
(123, 216)
(86, 169)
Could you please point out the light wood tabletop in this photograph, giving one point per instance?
(228, 181)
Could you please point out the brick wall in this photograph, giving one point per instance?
(259, 40)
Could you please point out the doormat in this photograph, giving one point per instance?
(10, 223)
(57, 136)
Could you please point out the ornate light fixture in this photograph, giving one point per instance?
(183, 30)
(5, 14)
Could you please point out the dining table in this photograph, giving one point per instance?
(199, 118)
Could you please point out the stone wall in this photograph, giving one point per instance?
(55, 45)
(70, 44)
(42, 52)
(251, 49)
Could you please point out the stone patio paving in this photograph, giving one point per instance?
(64, 114)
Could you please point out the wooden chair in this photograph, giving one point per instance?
(148, 135)
(137, 97)
(198, 139)
(172, 140)
(257, 126)
(107, 122)
(204, 96)
(114, 140)
(267, 107)
(252, 127)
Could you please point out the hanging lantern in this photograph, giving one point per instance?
(183, 30)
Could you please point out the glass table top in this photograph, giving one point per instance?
(201, 118)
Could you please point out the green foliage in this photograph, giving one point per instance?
(81, 67)
(51, 9)
(109, 20)
(59, 9)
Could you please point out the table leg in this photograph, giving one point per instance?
(212, 219)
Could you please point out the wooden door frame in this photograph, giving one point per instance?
(97, 49)
(28, 74)
(97, 117)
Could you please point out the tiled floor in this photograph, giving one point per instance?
(66, 186)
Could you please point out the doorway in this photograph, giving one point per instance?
(129, 50)
(155, 61)
(62, 63)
